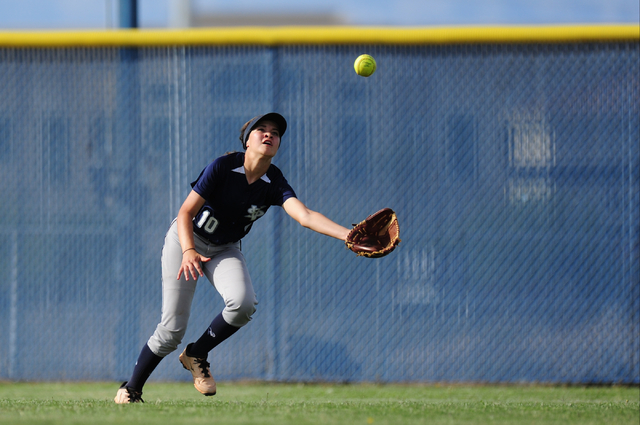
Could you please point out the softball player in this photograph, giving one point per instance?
(204, 240)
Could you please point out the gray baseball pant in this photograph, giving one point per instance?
(228, 273)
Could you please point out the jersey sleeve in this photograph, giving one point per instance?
(282, 191)
(205, 183)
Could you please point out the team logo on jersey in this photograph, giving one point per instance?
(255, 213)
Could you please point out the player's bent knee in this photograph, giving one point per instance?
(239, 315)
(165, 341)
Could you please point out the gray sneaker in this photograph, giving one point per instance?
(199, 367)
(127, 395)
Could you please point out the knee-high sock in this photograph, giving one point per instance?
(218, 331)
(147, 362)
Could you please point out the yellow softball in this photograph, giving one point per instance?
(365, 65)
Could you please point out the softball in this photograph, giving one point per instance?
(365, 65)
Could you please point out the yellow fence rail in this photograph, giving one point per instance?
(272, 36)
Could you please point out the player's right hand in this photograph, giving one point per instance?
(192, 265)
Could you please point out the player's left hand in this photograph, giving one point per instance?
(192, 265)
(375, 236)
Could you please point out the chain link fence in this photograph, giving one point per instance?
(513, 168)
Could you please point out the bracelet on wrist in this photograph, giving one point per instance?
(188, 249)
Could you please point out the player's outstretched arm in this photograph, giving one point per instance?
(314, 220)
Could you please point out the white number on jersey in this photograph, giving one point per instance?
(207, 222)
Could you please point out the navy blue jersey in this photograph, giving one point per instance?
(231, 204)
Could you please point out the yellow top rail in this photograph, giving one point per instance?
(273, 36)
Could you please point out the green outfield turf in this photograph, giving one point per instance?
(266, 403)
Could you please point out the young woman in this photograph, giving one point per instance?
(204, 240)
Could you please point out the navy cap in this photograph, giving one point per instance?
(271, 116)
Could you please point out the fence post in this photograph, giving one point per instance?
(128, 14)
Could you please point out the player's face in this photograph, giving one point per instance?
(264, 138)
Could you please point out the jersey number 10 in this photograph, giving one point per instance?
(208, 221)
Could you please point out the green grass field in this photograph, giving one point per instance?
(268, 403)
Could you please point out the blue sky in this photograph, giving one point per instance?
(66, 14)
